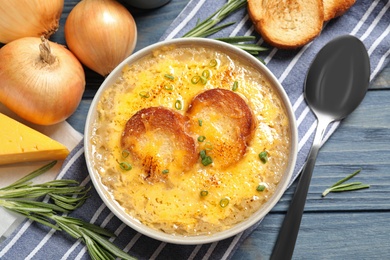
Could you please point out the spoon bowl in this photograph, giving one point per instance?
(338, 78)
(336, 83)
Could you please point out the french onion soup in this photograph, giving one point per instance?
(190, 140)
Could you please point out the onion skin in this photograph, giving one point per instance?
(39, 92)
(101, 33)
(23, 18)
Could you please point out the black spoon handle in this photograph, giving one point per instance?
(285, 244)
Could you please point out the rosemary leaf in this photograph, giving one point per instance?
(89, 226)
(249, 47)
(59, 183)
(236, 39)
(106, 244)
(211, 26)
(352, 187)
(31, 175)
(339, 186)
(96, 252)
(43, 221)
(68, 228)
(204, 27)
(28, 206)
(67, 195)
(213, 30)
(346, 178)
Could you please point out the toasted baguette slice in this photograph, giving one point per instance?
(227, 125)
(287, 24)
(335, 8)
(157, 140)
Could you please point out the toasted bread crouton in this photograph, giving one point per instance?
(225, 124)
(287, 24)
(335, 8)
(156, 138)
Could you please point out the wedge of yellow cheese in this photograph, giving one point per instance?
(20, 143)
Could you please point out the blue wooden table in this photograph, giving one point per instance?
(352, 225)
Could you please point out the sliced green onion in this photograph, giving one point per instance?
(144, 94)
(201, 138)
(206, 74)
(125, 166)
(261, 187)
(204, 193)
(195, 79)
(168, 87)
(165, 171)
(125, 153)
(213, 63)
(178, 105)
(263, 156)
(200, 122)
(207, 160)
(202, 154)
(224, 202)
(203, 80)
(169, 76)
(235, 86)
(208, 146)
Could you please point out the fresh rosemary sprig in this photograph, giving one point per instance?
(340, 187)
(211, 25)
(66, 196)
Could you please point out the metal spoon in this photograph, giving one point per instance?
(336, 83)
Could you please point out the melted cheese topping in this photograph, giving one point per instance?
(175, 205)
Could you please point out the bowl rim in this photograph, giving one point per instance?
(201, 239)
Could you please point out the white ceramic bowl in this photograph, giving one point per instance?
(159, 235)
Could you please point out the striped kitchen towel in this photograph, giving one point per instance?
(368, 20)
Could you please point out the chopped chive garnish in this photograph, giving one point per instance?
(200, 122)
(263, 156)
(213, 63)
(169, 76)
(235, 86)
(125, 166)
(204, 193)
(125, 153)
(165, 171)
(144, 94)
(224, 202)
(261, 187)
(178, 105)
(201, 138)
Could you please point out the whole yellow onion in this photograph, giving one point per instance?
(40, 81)
(22, 18)
(101, 33)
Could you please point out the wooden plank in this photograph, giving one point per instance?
(355, 235)
(368, 149)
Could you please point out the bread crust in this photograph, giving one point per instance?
(227, 123)
(157, 139)
(287, 24)
(336, 8)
